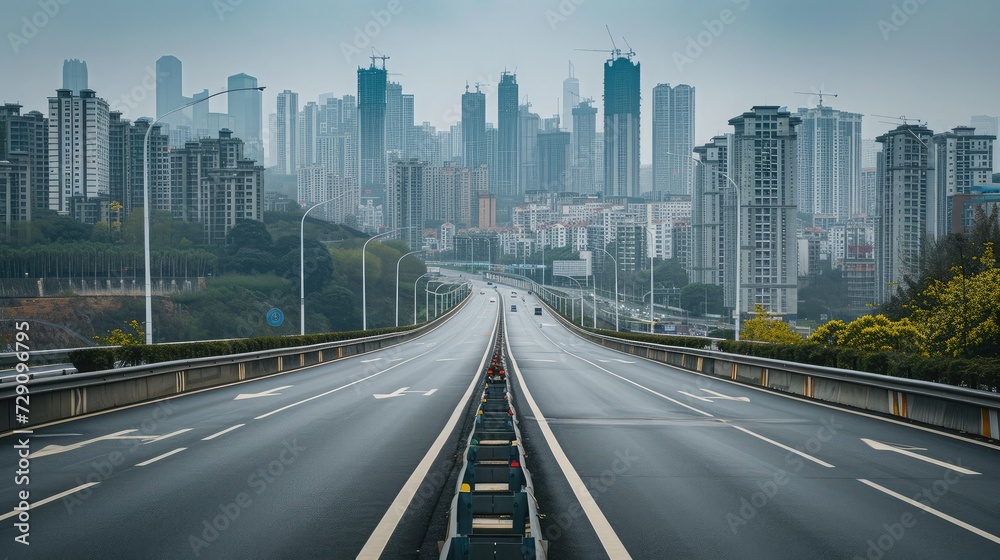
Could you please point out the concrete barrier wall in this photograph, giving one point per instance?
(946, 406)
(58, 398)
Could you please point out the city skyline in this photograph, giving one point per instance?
(723, 48)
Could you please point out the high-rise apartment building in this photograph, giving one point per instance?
(673, 140)
(27, 137)
(395, 134)
(126, 165)
(78, 148)
(990, 126)
(713, 219)
(214, 185)
(830, 158)
(405, 200)
(584, 145)
(505, 174)
(962, 159)
(74, 76)
(527, 149)
(570, 98)
(308, 131)
(764, 154)
(621, 127)
(473, 128)
(554, 161)
(903, 174)
(372, 97)
(286, 131)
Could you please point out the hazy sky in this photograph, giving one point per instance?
(929, 59)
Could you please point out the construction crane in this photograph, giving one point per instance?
(906, 120)
(614, 51)
(380, 56)
(819, 93)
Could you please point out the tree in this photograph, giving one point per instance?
(828, 333)
(119, 337)
(763, 328)
(693, 298)
(964, 320)
(878, 333)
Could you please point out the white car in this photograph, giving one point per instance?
(493, 300)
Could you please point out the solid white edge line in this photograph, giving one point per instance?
(33, 505)
(383, 531)
(226, 431)
(164, 456)
(932, 511)
(790, 396)
(785, 447)
(605, 533)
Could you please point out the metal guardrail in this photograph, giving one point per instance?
(958, 408)
(66, 396)
(493, 515)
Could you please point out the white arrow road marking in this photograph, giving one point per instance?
(932, 511)
(268, 393)
(53, 449)
(50, 499)
(402, 391)
(879, 446)
(715, 395)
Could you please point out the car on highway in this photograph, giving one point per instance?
(513, 308)
(493, 300)
(538, 310)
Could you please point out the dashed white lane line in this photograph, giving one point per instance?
(932, 511)
(49, 499)
(157, 458)
(785, 447)
(226, 431)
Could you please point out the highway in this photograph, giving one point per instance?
(323, 462)
(634, 459)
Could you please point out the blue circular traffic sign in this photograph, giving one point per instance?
(275, 317)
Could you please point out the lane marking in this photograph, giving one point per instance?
(785, 447)
(539, 360)
(268, 393)
(715, 395)
(370, 361)
(33, 505)
(167, 435)
(387, 525)
(164, 456)
(605, 533)
(226, 431)
(879, 446)
(53, 449)
(314, 397)
(932, 511)
(446, 360)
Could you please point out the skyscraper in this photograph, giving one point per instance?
(527, 148)
(903, 171)
(553, 161)
(673, 140)
(170, 91)
(621, 127)
(126, 183)
(287, 133)
(405, 200)
(308, 131)
(764, 154)
(584, 145)
(372, 86)
(829, 168)
(78, 148)
(246, 109)
(74, 76)
(27, 136)
(985, 124)
(394, 134)
(713, 219)
(505, 176)
(474, 128)
(570, 98)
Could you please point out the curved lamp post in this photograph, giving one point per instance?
(146, 203)
(397, 283)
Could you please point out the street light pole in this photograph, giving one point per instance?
(397, 283)
(415, 282)
(302, 264)
(739, 236)
(616, 286)
(146, 204)
(364, 283)
(581, 296)
(652, 317)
